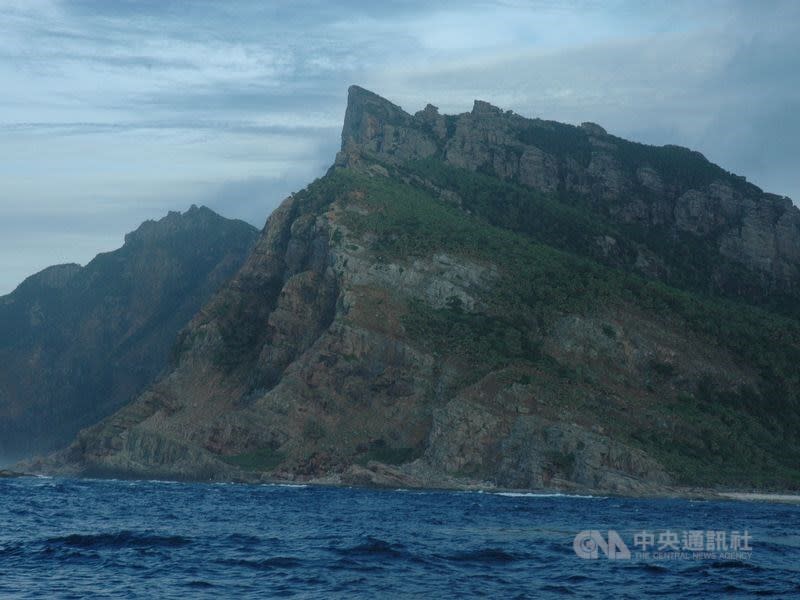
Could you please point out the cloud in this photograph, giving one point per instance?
(114, 112)
(716, 80)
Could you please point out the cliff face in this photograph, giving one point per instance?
(662, 197)
(460, 302)
(77, 343)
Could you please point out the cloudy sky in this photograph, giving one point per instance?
(116, 111)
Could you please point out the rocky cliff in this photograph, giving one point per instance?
(78, 343)
(484, 299)
(661, 197)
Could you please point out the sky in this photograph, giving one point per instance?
(117, 111)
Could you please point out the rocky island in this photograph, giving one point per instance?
(79, 343)
(488, 300)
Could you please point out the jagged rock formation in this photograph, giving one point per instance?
(77, 343)
(470, 300)
(668, 192)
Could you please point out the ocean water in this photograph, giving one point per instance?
(64, 538)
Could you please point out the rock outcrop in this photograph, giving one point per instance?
(457, 303)
(666, 191)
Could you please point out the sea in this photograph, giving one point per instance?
(72, 538)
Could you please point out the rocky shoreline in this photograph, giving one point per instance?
(387, 477)
(375, 475)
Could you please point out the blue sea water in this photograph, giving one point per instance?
(63, 538)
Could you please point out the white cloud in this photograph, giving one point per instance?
(120, 111)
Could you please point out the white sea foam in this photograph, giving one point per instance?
(545, 495)
(285, 485)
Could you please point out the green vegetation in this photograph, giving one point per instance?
(570, 223)
(313, 430)
(558, 139)
(735, 438)
(232, 309)
(485, 340)
(663, 369)
(562, 462)
(714, 437)
(538, 281)
(673, 163)
(567, 225)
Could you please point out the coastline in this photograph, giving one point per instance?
(456, 485)
(6, 474)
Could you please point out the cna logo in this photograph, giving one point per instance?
(589, 544)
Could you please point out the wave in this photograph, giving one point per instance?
(244, 539)
(735, 564)
(199, 584)
(373, 546)
(545, 495)
(706, 567)
(119, 539)
(484, 555)
(273, 562)
(286, 485)
(653, 568)
(329, 542)
(14, 549)
(560, 590)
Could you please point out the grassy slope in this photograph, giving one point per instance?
(739, 437)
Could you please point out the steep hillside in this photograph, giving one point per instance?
(78, 343)
(486, 298)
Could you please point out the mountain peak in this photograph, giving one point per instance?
(365, 115)
(593, 128)
(481, 107)
(195, 218)
(54, 277)
(357, 94)
(77, 343)
(646, 186)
